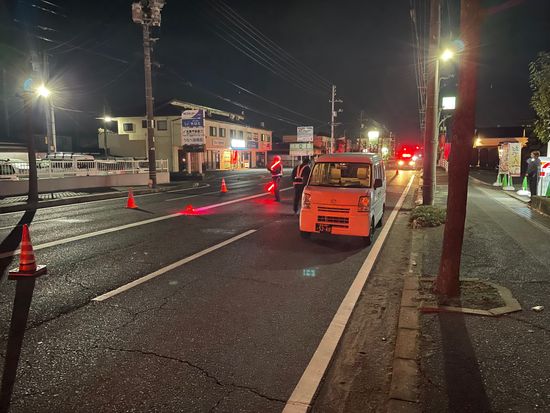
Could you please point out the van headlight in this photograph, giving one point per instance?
(364, 204)
(306, 200)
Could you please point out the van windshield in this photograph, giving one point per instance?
(341, 174)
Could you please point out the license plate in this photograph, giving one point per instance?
(324, 228)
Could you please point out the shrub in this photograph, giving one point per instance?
(427, 216)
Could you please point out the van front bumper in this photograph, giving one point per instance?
(353, 223)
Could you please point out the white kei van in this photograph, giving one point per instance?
(345, 195)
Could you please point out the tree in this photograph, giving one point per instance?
(539, 71)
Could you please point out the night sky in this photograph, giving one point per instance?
(363, 47)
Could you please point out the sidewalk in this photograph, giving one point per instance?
(489, 364)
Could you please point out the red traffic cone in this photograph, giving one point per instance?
(223, 189)
(131, 203)
(189, 209)
(27, 261)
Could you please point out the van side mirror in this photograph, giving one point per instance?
(377, 183)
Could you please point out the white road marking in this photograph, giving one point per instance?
(131, 225)
(188, 189)
(300, 400)
(64, 220)
(172, 266)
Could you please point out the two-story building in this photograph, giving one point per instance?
(229, 142)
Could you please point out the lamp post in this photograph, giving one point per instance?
(477, 145)
(44, 92)
(106, 120)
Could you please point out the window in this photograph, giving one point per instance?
(241, 134)
(268, 138)
(162, 125)
(213, 131)
(128, 127)
(341, 174)
(144, 123)
(232, 133)
(222, 132)
(263, 137)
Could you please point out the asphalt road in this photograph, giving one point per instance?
(231, 331)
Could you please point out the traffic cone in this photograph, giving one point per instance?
(223, 189)
(189, 209)
(27, 261)
(131, 203)
(504, 181)
(547, 190)
(524, 184)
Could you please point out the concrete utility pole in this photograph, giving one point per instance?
(447, 282)
(333, 115)
(147, 13)
(432, 98)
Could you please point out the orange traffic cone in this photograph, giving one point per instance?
(27, 261)
(131, 203)
(223, 189)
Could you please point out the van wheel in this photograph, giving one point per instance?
(368, 240)
(305, 234)
(379, 225)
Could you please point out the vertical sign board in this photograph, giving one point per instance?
(193, 137)
(304, 134)
(503, 159)
(514, 159)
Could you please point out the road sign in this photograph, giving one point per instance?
(192, 127)
(301, 149)
(305, 134)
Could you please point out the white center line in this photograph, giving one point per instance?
(300, 400)
(172, 266)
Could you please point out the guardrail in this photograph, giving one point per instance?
(74, 167)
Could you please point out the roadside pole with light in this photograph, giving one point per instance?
(43, 92)
(147, 13)
(106, 120)
(333, 115)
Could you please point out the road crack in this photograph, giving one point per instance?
(203, 371)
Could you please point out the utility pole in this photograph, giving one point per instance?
(50, 114)
(333, 115)
(147, 13)
(432, 98)
(447, 282)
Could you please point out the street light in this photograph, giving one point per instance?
(106, 119)
(447, 55)
(43, 91)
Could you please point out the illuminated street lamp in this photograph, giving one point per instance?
(106, 119)
(447, 55)
(477, 145)
(374, 135)
(43, 91)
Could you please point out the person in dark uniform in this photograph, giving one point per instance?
(300, 175)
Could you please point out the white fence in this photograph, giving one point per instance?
(75, 167)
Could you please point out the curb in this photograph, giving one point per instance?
(404, 387)
(78, 200)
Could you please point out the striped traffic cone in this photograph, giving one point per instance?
(524, 185)
(498, 181)
(27, 261)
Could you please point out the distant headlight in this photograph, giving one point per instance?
(400, 162)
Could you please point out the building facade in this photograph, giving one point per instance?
(229, 142)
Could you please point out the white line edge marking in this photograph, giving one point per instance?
(172, 266)
(301, 397)
(131, 225)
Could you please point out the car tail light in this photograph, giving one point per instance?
(364, 204)
(306, 200)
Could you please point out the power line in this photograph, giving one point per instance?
(275, 104)
(262, 39)
(263, 59)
